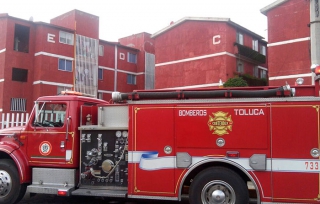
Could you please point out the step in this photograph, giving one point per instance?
(49, 189)
(100, 192)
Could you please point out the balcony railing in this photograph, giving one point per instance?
(249, 54)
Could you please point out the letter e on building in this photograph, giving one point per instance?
(50, 38)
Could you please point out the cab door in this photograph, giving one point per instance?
(295, 134)
(47, 140)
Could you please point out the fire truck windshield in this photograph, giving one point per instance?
(49, 114)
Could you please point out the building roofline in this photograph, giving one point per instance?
(118, 44)
(275, 4)
(135, 34)
(74, 11)
(54, 26)
(212, 19)
(5, 15)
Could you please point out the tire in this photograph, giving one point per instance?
(11, 191)
(218, 185)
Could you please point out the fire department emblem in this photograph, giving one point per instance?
(45, 148)
(220, 123)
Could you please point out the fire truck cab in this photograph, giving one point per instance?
(211, 145)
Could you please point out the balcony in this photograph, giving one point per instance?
(250, 55)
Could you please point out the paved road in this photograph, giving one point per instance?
(52, 199)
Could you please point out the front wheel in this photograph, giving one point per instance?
(218, 185)
(11, 191)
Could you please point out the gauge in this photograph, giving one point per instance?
(118, 133)
(125, 134)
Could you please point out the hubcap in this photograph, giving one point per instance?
(218, 192)
(5, 183)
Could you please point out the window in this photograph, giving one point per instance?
(100, 95)
(256, 71)
(60, 89)
(101, 50)
(50, 114)
(239, 66)
(65, 65)
(122, 56)
(100, 74)
(240, 38)
(66, 38)
(19, 74)
(131, 79)
(21, 38)
(18, 104)
(132, 57)
(263, 74)
(255, 45)
(263, 50)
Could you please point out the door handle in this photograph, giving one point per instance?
(62, 144)
(67, 132)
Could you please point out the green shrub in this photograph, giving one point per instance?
(254, 81)
(235, 82)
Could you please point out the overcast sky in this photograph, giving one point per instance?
(121, 18)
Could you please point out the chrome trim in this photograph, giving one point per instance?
(183, 160)
(209, 160)
(8, 135)
(116, 96)
(258, 162)
(67, 132)
(231, 100)
(153, 197)
(35, 157)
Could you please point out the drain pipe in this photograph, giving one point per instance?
(115, 67)
(314, 35)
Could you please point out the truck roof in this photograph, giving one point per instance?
(72, 98)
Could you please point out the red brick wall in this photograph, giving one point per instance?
(289, 21)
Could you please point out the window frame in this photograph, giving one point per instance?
(240, 66)
(131, 79)
(263, 74)
(255, 45)
(256, 71)
(18, 104)
(65, 65)
(100, 95)
(53, 112)
(100, 76)
(69, 38)
(19, 77)
(263, 50)
(240, 38)
(130, 59)
(122, 56)
(101, 50)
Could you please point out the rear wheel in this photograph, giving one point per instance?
(218, 185)
(11, 191)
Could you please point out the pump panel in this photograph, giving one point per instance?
(104, 158)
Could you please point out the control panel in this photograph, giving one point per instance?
(104, 158)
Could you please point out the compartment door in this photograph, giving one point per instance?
(295, 172)
(153, 155)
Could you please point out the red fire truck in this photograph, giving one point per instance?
(212, 145)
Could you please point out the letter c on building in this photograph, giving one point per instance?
(216, 39)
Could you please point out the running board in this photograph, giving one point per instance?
(50, 189)
(100, 192)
